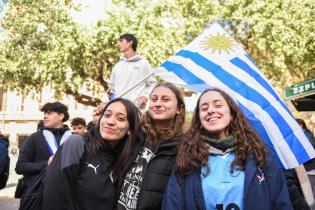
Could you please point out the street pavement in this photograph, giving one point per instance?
(7, 200)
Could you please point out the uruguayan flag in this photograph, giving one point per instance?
(214, 59)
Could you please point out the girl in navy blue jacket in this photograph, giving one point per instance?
(222, 164)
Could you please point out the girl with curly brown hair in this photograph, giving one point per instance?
(145, 176)
(223, 164)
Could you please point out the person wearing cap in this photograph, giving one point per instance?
(39, 148)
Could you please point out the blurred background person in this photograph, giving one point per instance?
(78, 125)
(306, 131)
(4, 161)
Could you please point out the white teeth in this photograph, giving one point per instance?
(212, 119)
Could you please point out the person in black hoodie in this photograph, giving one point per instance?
(41, 145)
(84, 170)
(145, 176)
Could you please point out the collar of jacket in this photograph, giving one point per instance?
(134, 58)
(119, 147)
(214, 151)
(168, 146)
(57, 130)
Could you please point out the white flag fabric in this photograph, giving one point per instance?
(214, 59)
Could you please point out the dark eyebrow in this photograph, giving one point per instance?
(122, 114)
(218, 100)
(204, 104)
(119, 113)
(214, 101)
(163, 96)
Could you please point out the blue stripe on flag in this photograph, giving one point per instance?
(275, 94)
(241, 88)
(193, 83)
(181, 72)
(259, 127)
(244, 66)
(256, 123)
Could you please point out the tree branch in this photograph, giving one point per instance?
(100, 78)
(84, 99)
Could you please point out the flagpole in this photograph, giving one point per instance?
(135, 85)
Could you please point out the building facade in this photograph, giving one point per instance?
(20, 113)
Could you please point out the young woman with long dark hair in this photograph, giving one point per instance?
(85, 170)
(223, 164)
(146, 174)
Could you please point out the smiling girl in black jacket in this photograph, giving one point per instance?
(84, 170)
(146, 174)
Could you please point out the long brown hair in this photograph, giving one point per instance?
(96, 144)
(179, 119)
(193, 151)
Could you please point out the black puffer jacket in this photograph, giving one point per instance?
(156, 174)
(296, 195)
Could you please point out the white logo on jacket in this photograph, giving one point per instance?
(89, 165)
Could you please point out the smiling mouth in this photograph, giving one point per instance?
(213, 119)
(158, 111)
(108, 130)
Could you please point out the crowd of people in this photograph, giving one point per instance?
(135, 155)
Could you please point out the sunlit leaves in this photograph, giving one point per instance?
(42, 45)
(279, 35)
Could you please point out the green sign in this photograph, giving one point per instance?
(300, 89)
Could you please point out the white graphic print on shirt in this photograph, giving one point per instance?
(131, 187)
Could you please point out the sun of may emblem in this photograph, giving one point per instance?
(218, 43)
